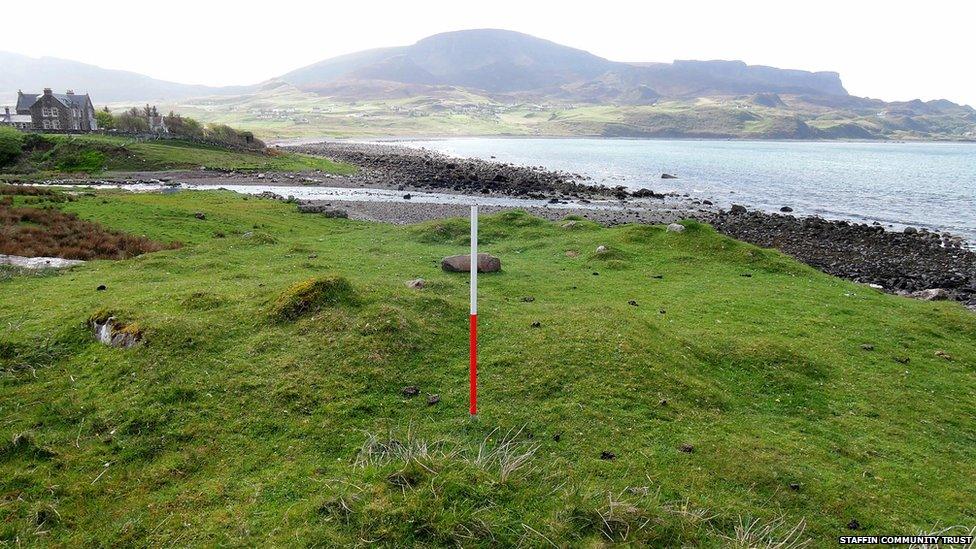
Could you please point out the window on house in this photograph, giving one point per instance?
(56, 124)
(47, 124)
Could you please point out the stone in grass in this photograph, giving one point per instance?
(536, 324)
(416, 284)
(687, 448)
(867, 347)
(632, 302)
(433, 399)
(676, 228)
(943, 354)
(111, 331)
(601, 249)
(853, 524)
(101, 288)
(200, 215)
(528, 299)
(607, 456)
(487, 263)
(410, 391)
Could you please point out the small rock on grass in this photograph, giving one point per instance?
(676, 228)
(572, 253)
(902, 359)
(943, 354)
(557, 437)
(663, 402)
(536, 324)
(410, 391)
(795, 486)
(853, 525)
(658, 277)
(528, 299)
(416, 284)
(433, 399)
(687, 448)
(601, 249)
(100, 288)
(607, 456)
(867, 346)
(632, 302)
(200, 215)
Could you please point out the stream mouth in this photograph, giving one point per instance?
(340, 194)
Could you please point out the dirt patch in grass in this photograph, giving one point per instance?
(309, 296)
(44, 232)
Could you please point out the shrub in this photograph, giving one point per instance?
(35, 232)
(312, 295)
(11, 144)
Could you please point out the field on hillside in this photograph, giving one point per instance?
(679, 389)
(92, 154)
(284, 111)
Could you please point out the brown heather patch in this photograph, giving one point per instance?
(35, 232)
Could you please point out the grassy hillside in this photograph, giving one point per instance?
(47, 154)
(284, 111)
(735, 394)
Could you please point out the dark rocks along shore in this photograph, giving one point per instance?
(398, 166)
(904, 262)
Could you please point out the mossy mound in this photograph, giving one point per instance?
(311, 295)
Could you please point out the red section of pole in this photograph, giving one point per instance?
(474, 365)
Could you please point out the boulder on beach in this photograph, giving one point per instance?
(487, 263)
(738, 209)
(932, 294)
(668, 176)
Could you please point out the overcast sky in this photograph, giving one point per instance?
(883, 49)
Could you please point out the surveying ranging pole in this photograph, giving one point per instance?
(473, 370)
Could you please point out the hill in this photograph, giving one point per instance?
(496, 82)
(265, 402)
(21, 72)
(506, 62)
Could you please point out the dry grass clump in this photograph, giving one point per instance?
(37, 232)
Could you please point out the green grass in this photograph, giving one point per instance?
(233, 425)
(98, 153)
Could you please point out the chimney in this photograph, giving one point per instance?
(47, 91)
(70, 92)
(7, 110)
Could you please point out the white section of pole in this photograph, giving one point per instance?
(474, 260)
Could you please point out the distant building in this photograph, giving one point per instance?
(55, 111)
(19, 121)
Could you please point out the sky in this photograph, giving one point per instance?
(889, 50)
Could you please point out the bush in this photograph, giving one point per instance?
(223, 133)
(128, 122)
(11, 144)
(105, 120)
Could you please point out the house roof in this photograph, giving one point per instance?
(15, 118)
(26, 100)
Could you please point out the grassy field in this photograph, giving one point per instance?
(284, 111)
(264, 408)
(101, 153)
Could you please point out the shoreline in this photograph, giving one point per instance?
(905, 262)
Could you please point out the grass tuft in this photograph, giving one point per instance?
(311, 295)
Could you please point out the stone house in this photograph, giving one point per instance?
(55, 111)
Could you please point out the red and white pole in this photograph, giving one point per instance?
(473, 371)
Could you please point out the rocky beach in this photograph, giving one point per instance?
(429, 185)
